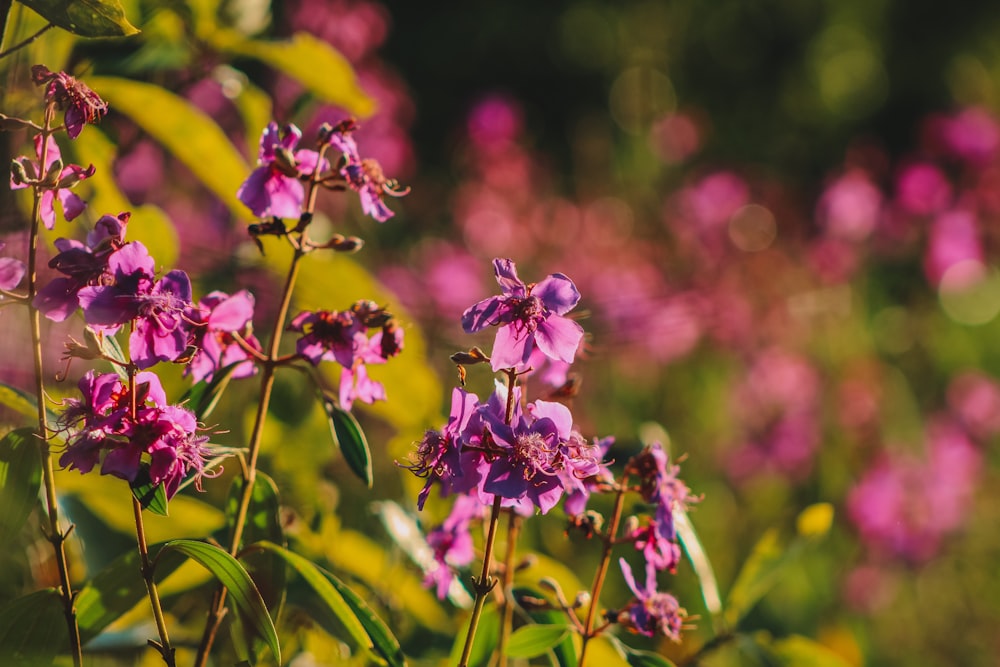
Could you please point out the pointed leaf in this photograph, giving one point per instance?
(152, 497)
(20, 479)
(347, 435)
(32, 629)
(638, 658)
(111, 349)
(22, 402)
(234, 577)
(204, 396)
(190, 134)
(531, 640)
(309, 60)
(702, 566)
(87, 18)
(385, 643)
(116, 589)
(565, 650)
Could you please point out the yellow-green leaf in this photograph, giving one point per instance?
(87, 18)
(20, 478)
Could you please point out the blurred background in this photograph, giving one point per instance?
(782, 217)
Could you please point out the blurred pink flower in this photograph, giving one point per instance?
(974, 397)
(971, 135)
(675, 137)
(850, 207)
(953, 237)
(922, 189)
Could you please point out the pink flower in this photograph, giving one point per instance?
(275, 188)
(651, 613)
(27, 173)
(82, 105)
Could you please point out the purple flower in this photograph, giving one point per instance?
(364, 176)
(528, 316)
(579, 488)
(275, 188)
(660, 485)
(159, 308)
(82, 264)
(452, 544)
(650, 612)
(215, 319)
(102, 428)
(329, 335)
(658, 550)
(57, 186)
(440, 456)
(11, 271)
(82, 105)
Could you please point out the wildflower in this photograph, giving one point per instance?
(657, 549)
(659, 484)
(82, 105)
(54, 179)
(528, 316)
(275, 188)
(328, 335)
(440, 456)
(214, 321)
(651, 612)
(160, 308)
(82, 264)
(364, 176)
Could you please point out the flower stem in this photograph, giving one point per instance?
(55, 534)
(484, 584)
(602, 570)
(154, 597)
(217, 608)
(513, 531)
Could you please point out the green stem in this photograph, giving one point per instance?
(147, 575)
(602, 570)
(513, 530)
(55, 534)
(484, 584)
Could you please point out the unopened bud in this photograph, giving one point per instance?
(631, 524)
(285, 160)
(52, 174)
(582, 599)
(473, 356)
(75, 176)
(18, 172)
(91, 350)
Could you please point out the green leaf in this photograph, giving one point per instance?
(20, 479)
(112, 350)
(638, 658)
(32, 629)
(357, 618)
(531, 640)
(20, 402)
(152, 497)
(349, 437)
(702, 566)
(565, 650)
(242, 590)
(118, 588)
(87, 18)
(204, 396)
(190, 134)
(309, 60)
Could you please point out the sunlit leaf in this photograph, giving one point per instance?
(117, 588)
(637, 658)
(21, 402)
(204, 396)
(563, 650)
(20, 479)
(815, 520)
(349, 437)
(87, 18)
(152, 497)
(32, 629)
(531, 640)
(360, 622)
(309, 60)
(799, 651)
(190, 134)
(242, 590)
(701, 564)
(111, 349)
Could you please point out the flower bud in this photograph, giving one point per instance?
(52, 174)
(18, 172)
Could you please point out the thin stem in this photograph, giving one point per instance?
(25, 42)
(602, 571)
(513, 531)
(147, 575)
(270, 362)
(484, 584)
(55, 533)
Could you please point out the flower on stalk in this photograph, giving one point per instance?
(440, 456)
(342, 336)
(364, 176)
(54, 179)
(658, 550)
(274, 188)
(452, 544)
(651, 612)
(81, 104)
(528, 316)
(103, 429)
(533, 458)
(160, 309)
(82, 264)
(660, 485)
(11, 271)
(214, 321)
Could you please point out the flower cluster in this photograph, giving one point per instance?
(506, 452)
(342, 336)
(128, 430)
